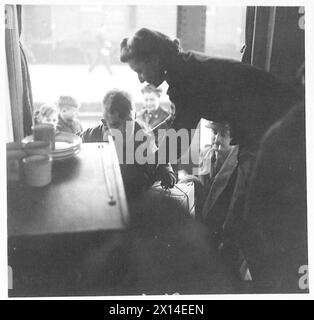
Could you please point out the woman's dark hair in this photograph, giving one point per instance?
(146, 44)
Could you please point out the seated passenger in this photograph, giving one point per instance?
(217, 164)
(118, 114)
(152, 113)
(47, 113)
(68, 121)
(217, 167)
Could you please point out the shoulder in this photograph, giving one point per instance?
(289, 130)
(94, 134)
(161, 111)
(218, 66)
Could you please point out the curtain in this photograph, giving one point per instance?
(27, 89)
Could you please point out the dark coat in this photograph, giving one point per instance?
(249, 99)
(154, 118)
(74, 126)
(275, 235)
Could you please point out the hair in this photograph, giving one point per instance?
(146, 44)
(150, 88)
(119, 102)
(44, 111)
(67, 102)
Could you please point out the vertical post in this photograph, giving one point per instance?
(270, 37)
(264, 25)
(13, 58)
(132, 17)
(191, 26)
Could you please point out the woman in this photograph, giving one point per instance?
(220, 90)
(250, 100)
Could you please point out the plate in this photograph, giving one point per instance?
(67, 145)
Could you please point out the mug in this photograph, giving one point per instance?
(37, 170)
(14, 164)
(45, 132)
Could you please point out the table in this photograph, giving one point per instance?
(54, 230)
(75, 201)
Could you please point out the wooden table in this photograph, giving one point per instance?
(52, 230)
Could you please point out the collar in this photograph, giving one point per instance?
(65, 121)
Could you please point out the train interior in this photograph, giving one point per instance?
(83, 233)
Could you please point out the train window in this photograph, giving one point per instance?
(74, 50)
(225, 31)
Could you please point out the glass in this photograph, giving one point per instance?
(37, 170)
(74, 50)
(225, 31)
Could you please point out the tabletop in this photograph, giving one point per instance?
(77, 199)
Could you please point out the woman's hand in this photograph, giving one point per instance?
(168, 179)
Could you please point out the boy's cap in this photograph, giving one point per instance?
(67, 101)
(218, 126)
(150, 88)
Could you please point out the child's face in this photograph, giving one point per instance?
(115, 122)
(51, 119)
(220, 138)
(68, 113)
(151, 101)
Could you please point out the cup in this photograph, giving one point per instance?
(37, 170)
(37, 147)
(45, 132)
(14, 164)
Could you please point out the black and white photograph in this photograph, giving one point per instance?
(155, 149)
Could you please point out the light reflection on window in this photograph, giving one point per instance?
(225, 31)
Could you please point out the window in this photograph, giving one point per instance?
(225, 31)
(74, 50)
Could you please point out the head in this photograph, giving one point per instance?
(149, 54)
(151, 97)
(220, 135)
(68, 108)
(118, 108)
(47, 113)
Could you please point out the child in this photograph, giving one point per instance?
(47, 113)
(67, 122)
(152, 114)
(118, 108)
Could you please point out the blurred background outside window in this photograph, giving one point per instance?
(74, 50)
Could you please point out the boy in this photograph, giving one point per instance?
(47, 113)
(67, 121)
(152, 114)
(118, 113)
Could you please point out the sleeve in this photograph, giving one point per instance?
(85, 135)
